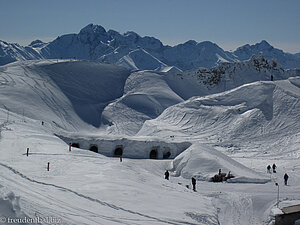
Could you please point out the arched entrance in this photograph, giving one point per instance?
(118, 151)
(153, 154)
(94, 148)
(75, 145)
(166, 155)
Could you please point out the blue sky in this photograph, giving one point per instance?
(228, 23)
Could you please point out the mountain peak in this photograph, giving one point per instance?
(191, 42)
(93, 34)
(91, 28)
(37, 43)
(263, 45)
(131, 34)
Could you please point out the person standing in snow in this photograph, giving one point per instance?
(167, 175)
(274, 168)
(269, 169)
(285, 177)
(194, 183)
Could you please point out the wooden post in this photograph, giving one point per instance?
(48, 167)
(27, 153)
(70, 145)
(120, 158)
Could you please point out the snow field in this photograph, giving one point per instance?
(240, 130)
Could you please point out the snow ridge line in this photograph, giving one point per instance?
(89, 198)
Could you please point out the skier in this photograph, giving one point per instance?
(285, 177)
(274, 168)
(167, 175)
(269, 168)
(194, 183)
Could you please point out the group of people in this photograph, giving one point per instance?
(285, 176)
(167, 174)
(273, 167)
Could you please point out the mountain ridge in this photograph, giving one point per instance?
(94, 42)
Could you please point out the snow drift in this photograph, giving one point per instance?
(203, 162)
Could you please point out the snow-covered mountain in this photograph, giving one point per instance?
(131, 50)
(287, 60)
(14, 52)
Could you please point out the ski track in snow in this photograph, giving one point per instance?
(112, 206)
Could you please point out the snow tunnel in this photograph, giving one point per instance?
(166, 155)
(118, 150)
(94, 148)
(153, 154)
(75, 145)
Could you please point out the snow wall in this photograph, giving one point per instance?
(129, 147)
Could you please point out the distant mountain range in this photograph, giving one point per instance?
(93, 42)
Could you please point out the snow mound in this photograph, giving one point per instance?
(71, 95)
(146, 95)
(82, 95)
(10, 208)
(259, 116)
(203, 162)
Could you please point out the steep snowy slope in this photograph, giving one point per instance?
(146, 95)
(69, 94)
(242, 112)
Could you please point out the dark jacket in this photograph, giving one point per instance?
(167, 175)
(193, 181)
